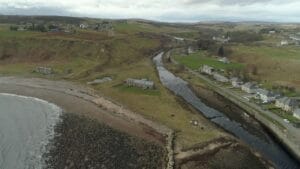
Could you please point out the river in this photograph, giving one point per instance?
(26, 126)
(255, 137)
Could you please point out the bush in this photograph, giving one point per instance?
(245, 36)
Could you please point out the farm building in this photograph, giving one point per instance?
(284, 43)
(249, 87)
(221, 39)
(236, 82)
(224, 60)
(220, 78)
(83, 26)
(266, 96)
(287, 104)
(141, 83)
(207, 69)
(297, 113)
(44, 70)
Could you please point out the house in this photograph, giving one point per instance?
(249, 87)
(83, 26)
(141, 83)
(287, 104)
(266, 96)
(220, 78)
(44, 70)
(296, 113)
(224, 60)
(207, 70)
(284, 43)
(104, 26)
(221, 39)
(190, 50)
(272, 32)
(236, 82)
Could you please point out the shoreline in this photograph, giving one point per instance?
(81, 100)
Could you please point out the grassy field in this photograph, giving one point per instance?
(87, 55)
(196, 60)
(275, 65)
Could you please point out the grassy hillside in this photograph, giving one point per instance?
(275, 65)
(87, 55)
(196, 60)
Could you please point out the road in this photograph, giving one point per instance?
(291, 132)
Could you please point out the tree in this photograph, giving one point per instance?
(221, 51)
(13, 28)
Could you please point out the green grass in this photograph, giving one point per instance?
(287, 52)
(196, 60)
(136, 90)
(4, 33)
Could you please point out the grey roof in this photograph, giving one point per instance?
(288, 101)
(250, 85)
(297, 112)
(235, 79)
(265, 92)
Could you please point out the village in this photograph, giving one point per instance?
(54, 27)
(252, 92)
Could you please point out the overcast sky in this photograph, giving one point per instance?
(161, 10)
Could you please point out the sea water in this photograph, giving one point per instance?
(26, 127)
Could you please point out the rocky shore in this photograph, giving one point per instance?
(84, 143)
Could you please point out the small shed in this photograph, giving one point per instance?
(44, 70)
(207, 69)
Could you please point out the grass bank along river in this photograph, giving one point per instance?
(258, 140)
(88, 136)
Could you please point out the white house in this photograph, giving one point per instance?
(284, 43)
(44, 70)
(287, 104)
(141, 83)
(207, 70)
(297, 113)
(266, 96)
(272, 32)
(249, 87)
(236, 82)
(83, 26)
(220, 78)
(224, 60)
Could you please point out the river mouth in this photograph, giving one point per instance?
(269, 148)
(26, 127)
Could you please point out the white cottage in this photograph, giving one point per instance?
(207, 69)
(236, 82)
(287, 104)
(141, 83)
(249, 87)
(297, 113)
